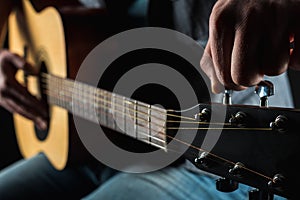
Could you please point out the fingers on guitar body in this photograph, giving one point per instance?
(15, 97)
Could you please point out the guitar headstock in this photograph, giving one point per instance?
(257, 146)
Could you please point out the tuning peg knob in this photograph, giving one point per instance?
(204, 160)
(280, 124)
(227, 97)
(205, 115)
(264, 90)
(278, 182)
(237, 169)
(239, 119)
(226, 185)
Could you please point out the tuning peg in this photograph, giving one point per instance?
(278, 182)
(226, 185)
(239, 119)
(237, 169)
(280, 124)
(227, 97)
(204, 115)
(204, 160)
(264, 89)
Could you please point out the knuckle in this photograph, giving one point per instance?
(4, 54)
(221, 16)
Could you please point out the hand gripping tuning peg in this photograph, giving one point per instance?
(264, 90)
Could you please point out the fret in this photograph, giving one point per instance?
(84, 97)
(158, 129)
(119, 113)
(135, 118)
(129, 118)
(76, 99)
(101, 113)
(59, 90)
(93, 104)
(143, 122)
(124, 113)
(96, 105)
(105, 117)
(86, 102)
(113, 111)
(149, 123)
(80, 103)
(109, 113)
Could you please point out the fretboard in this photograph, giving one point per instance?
(136, 119)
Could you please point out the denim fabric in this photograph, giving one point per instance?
(35, 178)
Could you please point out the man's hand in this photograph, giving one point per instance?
(15, 97)
(249, 39)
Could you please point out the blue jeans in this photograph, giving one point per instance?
(35, 178)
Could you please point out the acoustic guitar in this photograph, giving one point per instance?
(44, 32)
(258, 146)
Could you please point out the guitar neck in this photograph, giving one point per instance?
(136, 119)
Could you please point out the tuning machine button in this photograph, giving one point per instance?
(278, 182)
(227, 97)
(239, 119)
(204, 115)
(264, 90)
(280, 124)
(226, 185)
(237, 169)
(204, 160)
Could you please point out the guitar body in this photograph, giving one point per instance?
(56, 38)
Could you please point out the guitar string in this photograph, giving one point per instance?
(197, 148)
(147, 115)
(141, 112)
(51, 94)
(219, 157)
(183, 128)
(74, 94)
(70, 85)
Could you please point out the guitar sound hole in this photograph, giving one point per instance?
(42, 134)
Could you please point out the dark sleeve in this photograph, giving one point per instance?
(119, 14)
(119, 7)
(161, 13)
(190, 17)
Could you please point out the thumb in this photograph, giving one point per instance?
(21, 63)
(18, 62)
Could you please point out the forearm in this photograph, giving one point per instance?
(5, 8)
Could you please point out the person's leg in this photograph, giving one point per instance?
(168, 184)
(35, 178)
(172, 183)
